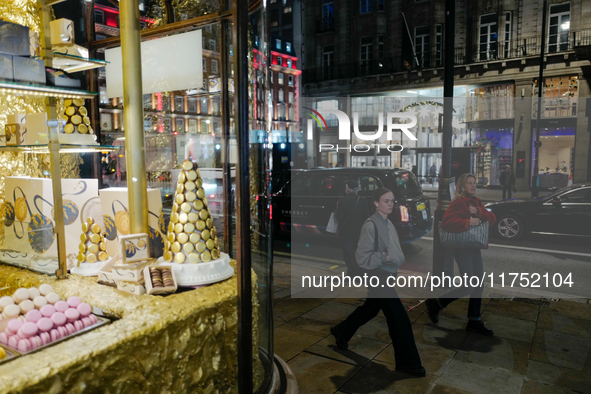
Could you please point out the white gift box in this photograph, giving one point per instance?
(131, 272)
(115, 205)
(131, 287)
(37, 132)
(29, 218)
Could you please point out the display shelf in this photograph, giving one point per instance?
(71, 63)
(64, 148)
(43, 90)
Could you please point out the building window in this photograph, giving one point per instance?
(381, 5)
(214, 66)
(280, 78)
(422, 44)
(327, 15)
(279, 61)
(288, 47)
(288, 63)
(488, 37)
(380, 46)
(439, 45)
(367, 108)
(290, 97)
(331, 119)
(560, 97)
(204, 60)
(327, 61)
(274, 23)
(365, 6)
(290, 80)
(212, 46)
(366, 54)
(281, 96)
(507, 49)
(277, 44)
(99, 17)
(287, 10)
(559, 27)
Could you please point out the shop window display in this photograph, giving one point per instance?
(560, 95)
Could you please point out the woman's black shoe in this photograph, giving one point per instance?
(478, 327)
(417, 372)
(343, 345)
(433, 309)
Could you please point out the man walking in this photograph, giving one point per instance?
(352, 210)
(507, 180)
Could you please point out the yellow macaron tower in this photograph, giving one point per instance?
(192, 245)
(77, 128)
(92, 254)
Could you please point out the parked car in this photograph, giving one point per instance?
(564, 212)
(304, 204)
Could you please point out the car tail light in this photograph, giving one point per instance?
(404, 217)
(270, 212)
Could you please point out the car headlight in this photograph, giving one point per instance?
(488, 209)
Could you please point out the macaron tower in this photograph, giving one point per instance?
(92, 243)
(76, 117)
(191, 236)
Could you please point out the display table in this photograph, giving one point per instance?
(181, 343)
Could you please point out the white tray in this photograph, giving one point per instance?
(188, 274)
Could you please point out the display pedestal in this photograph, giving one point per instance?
(90, 269)
(188, 275)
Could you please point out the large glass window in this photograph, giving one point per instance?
(366, 54)
(488, 37)
(422, 46)
(559, 27)
(559, 98)
(327, 61)
(365, 6)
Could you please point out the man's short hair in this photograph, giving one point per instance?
(352, 184)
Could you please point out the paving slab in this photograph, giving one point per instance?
(376, 329)
(289, 344)
(531, 387)
(381, 378)
(550, 320)
(511, 328)
(480, 379)
(330, 312)
(560, 349)
(571, 309)
(290, 308)
(448, 333)
(495, 352)
(439, 389)
(433, 358)
(320, 375)
(309, 326)
(361, 350)
(516, 310)
(564, 378)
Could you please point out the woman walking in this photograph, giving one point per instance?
(465, 210)
(379, 254)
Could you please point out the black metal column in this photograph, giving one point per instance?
(537, 144)
(240, 39)
(444, 195)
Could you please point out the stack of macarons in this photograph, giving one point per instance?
(46, 321)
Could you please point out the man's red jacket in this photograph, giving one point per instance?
(457, 217)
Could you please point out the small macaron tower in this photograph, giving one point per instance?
(92, 246)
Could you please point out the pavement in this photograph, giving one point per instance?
(539, 346)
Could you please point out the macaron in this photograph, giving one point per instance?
(62, 331)
(52, 298)
(70, 327)
(39, 301)
(24, 345)
(93, 319)
(45, 289)
(78, 325)
(45, 324)
(74, 301)
(4, 338)
(33, 316)
(28, 330)
(5, 301)
(58, 319)
(34, 292)
(20, 295)
(13, 326)
(86, 321)
(47, 310)
(72, 315)
(54, 335)
(35, 342)
(84, 309)
(45, 338)
(26, 305)
(11, 311)
(13, 341)
(61, 306)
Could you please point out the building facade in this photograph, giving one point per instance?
(380, 54)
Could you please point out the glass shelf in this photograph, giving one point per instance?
(64, 148)
(72, 63)
(43, 90)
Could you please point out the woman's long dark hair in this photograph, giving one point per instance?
(379, 192)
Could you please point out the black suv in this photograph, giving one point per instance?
(304, 204)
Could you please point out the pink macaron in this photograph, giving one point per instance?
(4, 338)
(78, 325)
(35, 342)
(61, 306)
(24, 345)
(33, 316)
(86, 321)
(13, 326)
(84, 309)
(62, 330)
(28, 330)
(93, 319)
(47, 310)
(70, 327)
(13, 341)
(59, 319)
(45, 338)
(54, 335)
(74, 301)
(72, 315)
(45, 324)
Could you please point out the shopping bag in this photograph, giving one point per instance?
(474, 237)
(332, 225)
